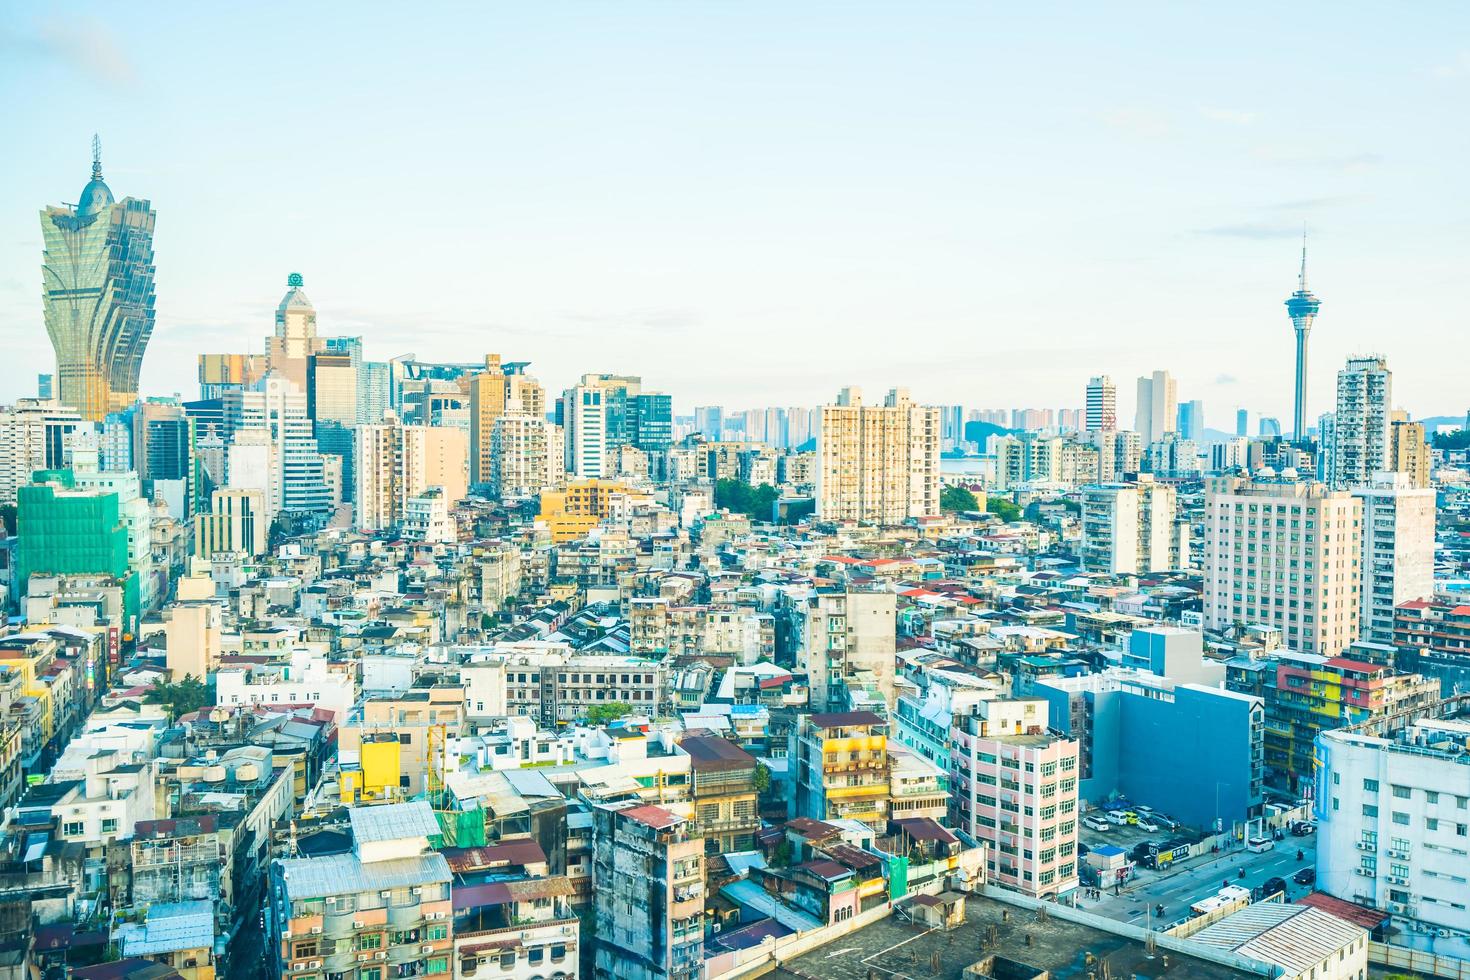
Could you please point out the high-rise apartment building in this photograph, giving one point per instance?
(526, 455)
(34, 435)
(1358, 447)
(1130, 528)
(398, 462)
(1283, 552)
(877, 464)
(1014, 786)
(487, 402)
(951, 424)
(1408, 450)
(1119, 453)
(295, 338)
(845, 637)
(1102, 404)
(98, 295)
(709, 421)
(1158, 408)
(649, 903)
(1398, 549)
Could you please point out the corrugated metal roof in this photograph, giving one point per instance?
(392, 821)
(170, 927)
(340, 874)
(1292, 936)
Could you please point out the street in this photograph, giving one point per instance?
(1200, 877)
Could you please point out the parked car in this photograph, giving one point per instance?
(1164, 820)
(1302, 828)
(1095, 822)
(1259, 845)
(1141, 852)
(1306, 876)
(1121, 817)
(1144, 823)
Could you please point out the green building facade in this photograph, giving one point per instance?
(65, 531)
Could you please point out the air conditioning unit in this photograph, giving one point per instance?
(1403, 855)
(1442, 933)
(416, 890)
(1398, 908)
(316, 930)
(314, 965)
(380, 955)
(1397, 880)
(356, 924)
(1367, 872)
(386, 893)
(299, 966)
(427, 949)
(285, 933)
(363, 957)
(1363, 845)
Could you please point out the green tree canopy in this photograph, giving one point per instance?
(189, 694)
(740, 497)
(957, 499)
(1003, 509)
(601, 714)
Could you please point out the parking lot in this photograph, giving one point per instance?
(1180, 885)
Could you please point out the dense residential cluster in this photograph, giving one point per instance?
(365, 670)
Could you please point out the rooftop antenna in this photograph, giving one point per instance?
(1302, 279)
(96, 157)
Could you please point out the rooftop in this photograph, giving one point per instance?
(892, 947)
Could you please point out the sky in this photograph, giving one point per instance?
(758, 203)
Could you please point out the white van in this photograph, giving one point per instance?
(1259, 845)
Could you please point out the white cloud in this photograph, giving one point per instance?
(1235, 117)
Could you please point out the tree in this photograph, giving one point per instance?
(7, 517)
(1003, 509)
(957, 499)
(740, 497)
(189, 694)
(601, 714)
(762, 778)
(1459, 439)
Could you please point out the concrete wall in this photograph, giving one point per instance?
(1172, 756)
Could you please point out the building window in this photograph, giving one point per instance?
(73, 828)
(1402, 819)
(1370, 785)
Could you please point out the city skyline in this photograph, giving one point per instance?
(665, 226)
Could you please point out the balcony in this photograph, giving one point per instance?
(405, 916)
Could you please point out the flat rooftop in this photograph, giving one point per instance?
(892, 947)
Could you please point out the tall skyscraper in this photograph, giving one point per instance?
(1102, 404)
(34, 435)
(98, 295)
(877, 464)
(1242, 422)
(1192, 420)
(1408, 452)
(295, 338)
(45, 386)
(1359, 446)
(585, 428)
(1157, 409)
(294, 477)
(708, 421)
(1302, 307)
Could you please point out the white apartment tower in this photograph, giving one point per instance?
(1398, 549)
(1283, 552)
(1360, 427)
(877, 464)
(1129, 528)
(1158, 406)
(296, 482)
(584, 413)
(33, 436)
(1102, 404)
